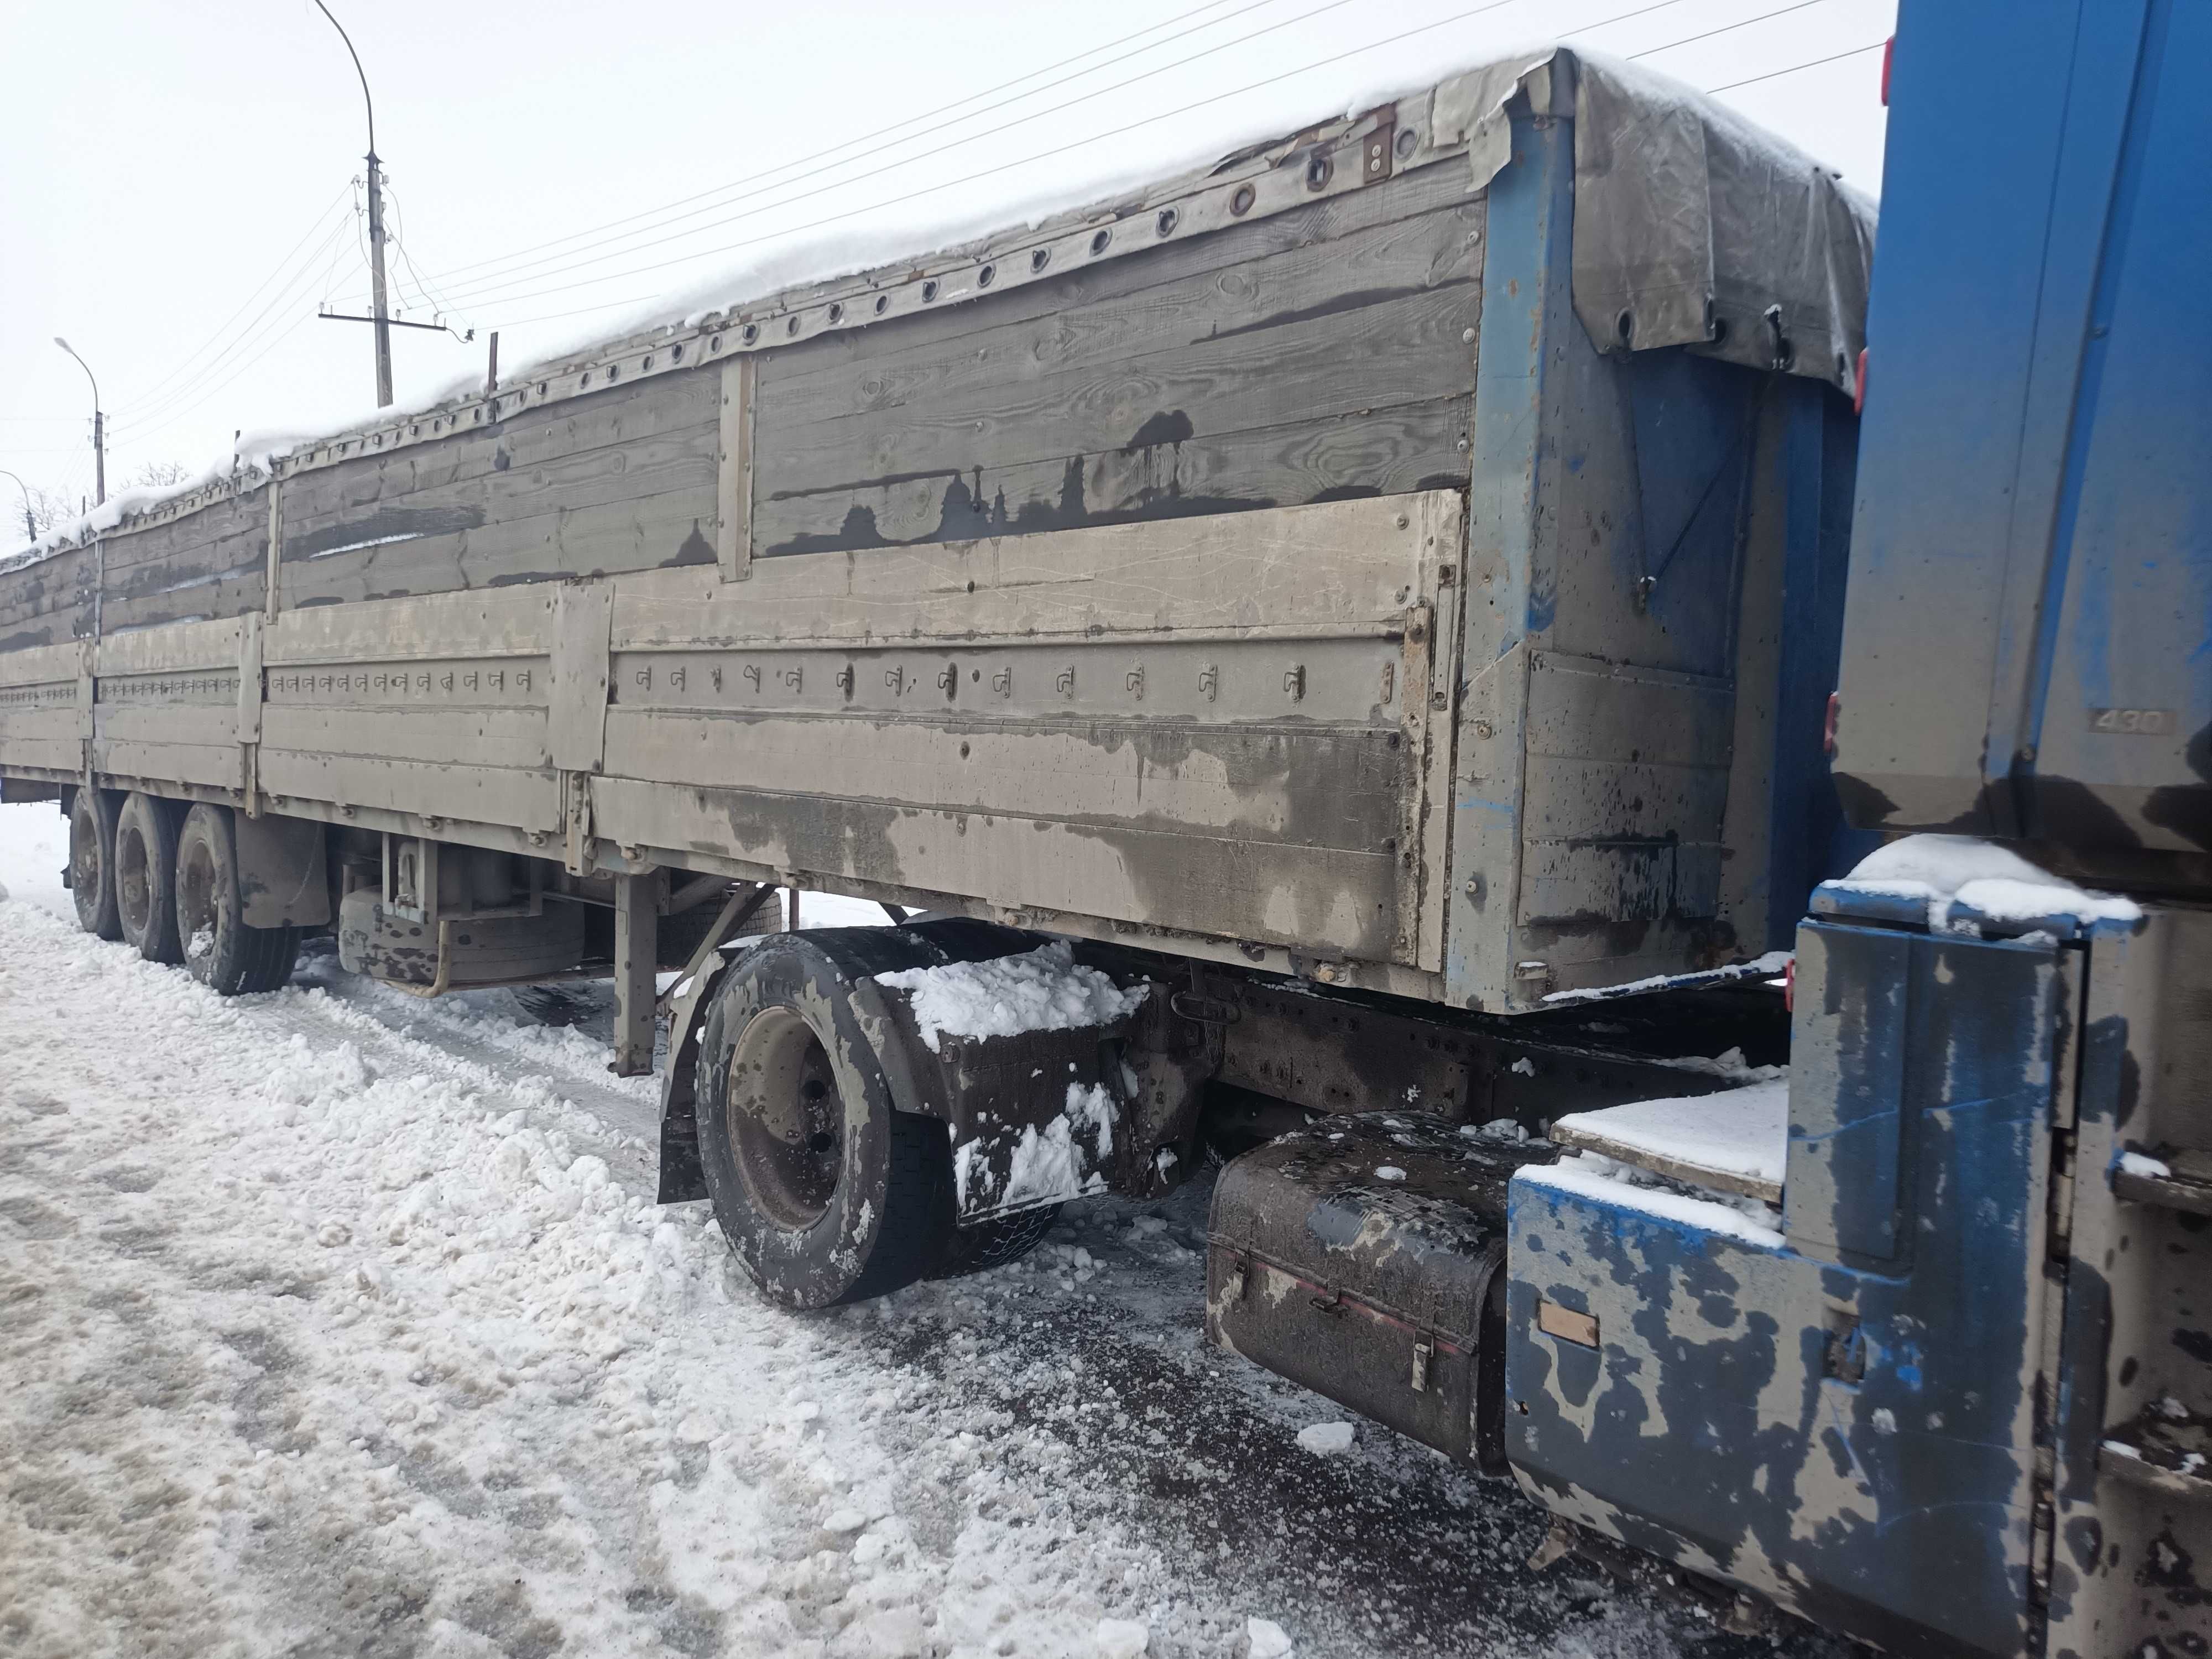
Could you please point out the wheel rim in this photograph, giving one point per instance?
(85, 873)
(134, 888)
(785, 1118)
(196, 909)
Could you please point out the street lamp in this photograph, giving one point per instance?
(99, 427)
(30, 518)
(381, 313)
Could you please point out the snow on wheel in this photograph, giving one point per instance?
(92, 862)
(221, 951)
(145, 872)
(826, 1190)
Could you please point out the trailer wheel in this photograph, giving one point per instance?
(92, 862)
(223, 952)
(145, 873)
(827, 1192)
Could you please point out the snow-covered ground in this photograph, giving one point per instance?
(333, 1322)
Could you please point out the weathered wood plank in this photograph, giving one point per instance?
(1380, 452)
(670, 530)
(1404, 349)
(1248, 781)
(180, 647)
(1310, 898)
(153, 724)
(165, 761)
(1334, 567)
(1440, 248)
(1331, 219)
(513, 738)
(465, 626)
(479, 794)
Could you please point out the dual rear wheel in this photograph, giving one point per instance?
(163, 876)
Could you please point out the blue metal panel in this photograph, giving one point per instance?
(1847, 1093)
(1808, 840)
(2127, 609)
(2029, 619)
(1856, 1441)
(1694, 420)
(1527, 304)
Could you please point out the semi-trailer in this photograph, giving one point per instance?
(1324, 661)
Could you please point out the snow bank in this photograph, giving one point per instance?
(1743, 1133)
(1042, 990)
(1980, 876)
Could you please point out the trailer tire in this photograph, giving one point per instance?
(92, 862)
(826, 1192)
(996, 1242)
(145, 877)
(221, 951)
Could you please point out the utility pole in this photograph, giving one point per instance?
(99, 427)
(30, 518)
(382, 315)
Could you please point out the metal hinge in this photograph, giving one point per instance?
(1424, 1350)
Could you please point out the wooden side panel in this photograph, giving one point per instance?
(623, 480)
(1214, 724)
(433, 705)
(42, 717)
(1194, 381)
(49, 602)
(209, 563)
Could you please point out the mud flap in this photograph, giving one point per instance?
(1363, 1258)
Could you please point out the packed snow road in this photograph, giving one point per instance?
(335, 1323)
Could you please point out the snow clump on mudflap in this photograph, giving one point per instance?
(1041, 990)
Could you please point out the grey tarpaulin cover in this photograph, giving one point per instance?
(1692, 225)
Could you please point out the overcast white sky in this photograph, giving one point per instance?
(177, 198)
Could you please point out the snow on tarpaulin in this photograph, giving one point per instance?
(1685, 210)
(1041, 990)
(1737, 1140)
(1981, 879)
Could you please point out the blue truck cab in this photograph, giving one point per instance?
(1955, 1397)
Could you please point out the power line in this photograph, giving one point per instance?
(1835, 57)
(267, 317)
(880, 132)
(493, 291)
(894, 201)
(297, 286)
(141, 432)
(163, 384)
(492, 284)
(1725, 28)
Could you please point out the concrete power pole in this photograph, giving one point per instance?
(382, 315)
(382, 311)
